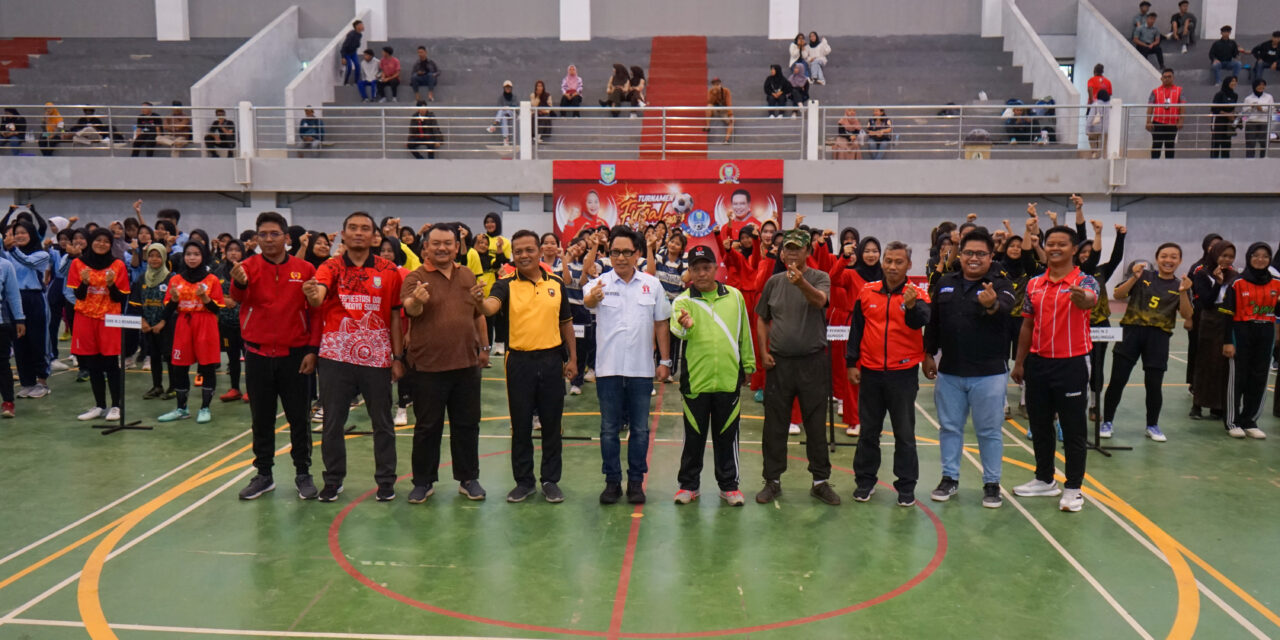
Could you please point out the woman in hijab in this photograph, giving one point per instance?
(815, 54)
(54, 132)
(191, 305)
(617, 89)
(22, 248)
(845, 285)
(229, 318)
(147, 299)
(847, 146)
(1193, 328)
(541, 101)
(1208, 285)
(571, 93)
(13, 130)
(799, 87)
(1224, 116)
(101, 284)
(776, 90)
(1248, 340)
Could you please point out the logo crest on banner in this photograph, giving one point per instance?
(699, 223)
(608, 174)
(729, 173)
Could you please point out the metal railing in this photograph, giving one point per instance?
(117, 131)
(1207, 130)
(388, 131)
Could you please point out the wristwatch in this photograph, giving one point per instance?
(664, 363)
(487, 348)
(398, 358)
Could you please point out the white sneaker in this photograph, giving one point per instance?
(794, 429)
(1072, 500)
(23, 392)
(38, 391)
(58, 365)
(589, 376)
(92, 414)
(402, 416)
(537, 423)
(1184, 48)
(498, 349)
(653, 392)
(1255, 433)
(575, 390)
(853, 431)
(146, 364)
(113, 414)
(128, 363)
(1235, 432)
(1035, 488)
(839, 407)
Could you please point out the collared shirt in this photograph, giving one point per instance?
(1060, 328)
(357, 309)
(624, 323)
(796, 328)
(443, 337)
(10, 294)
(535, 310)
(1145, 34)
(972, 341)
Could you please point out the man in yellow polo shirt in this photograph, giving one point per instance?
(541, 354)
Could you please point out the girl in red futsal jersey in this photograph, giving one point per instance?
(192, 304)
(101, 284)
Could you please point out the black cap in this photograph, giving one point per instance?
(700, 253)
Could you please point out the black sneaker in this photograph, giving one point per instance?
(153, 393)
(991, 495)
(519, 493)
(772, 489)
(420, 493)
(945, 490)
(386, 492)
(551, 491)
(635, 492)
(1196, 413)
(825, 492)
(259, 485)
(330, 492)
(612, 492)
(863, 494)
(306, 486)
(472, 490)
(906, 499)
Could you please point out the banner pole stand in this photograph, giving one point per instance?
(124, 323)
(1103, 334)
(833, 333)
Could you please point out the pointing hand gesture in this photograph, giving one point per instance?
(1080, 296)
(988, 295)
(686, 320)
(238, 274)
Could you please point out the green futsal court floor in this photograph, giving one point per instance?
(139, 535)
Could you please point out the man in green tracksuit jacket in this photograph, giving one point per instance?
(712, 320)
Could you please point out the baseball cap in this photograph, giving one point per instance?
(715, 81)
(796, 238)
(700, 253)
(506, 83)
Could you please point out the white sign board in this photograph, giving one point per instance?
(1106, 334)
(123, 322)
(838, 332)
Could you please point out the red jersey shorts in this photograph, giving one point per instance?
(195, 339)
(92, 337)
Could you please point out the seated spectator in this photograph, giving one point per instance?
(1140, 19)
(222, 135)
(617, 89)
(570, 92)
(1147, 40)
(1097, 120)
(799, 87)
(776, 90)
(1098, 82)
(638, 85)
(1018, 125)
(55, 130)
(90, 129)
(1266, 56)
(849, 131)
(310, 131)
(13, 130)
(388, 75)
(367, 84)
(1182, 27)
(425, 74)
(797, 52)
(816, 56)
(1044, 118)
(879, 133)
(176, 132)
(506, 112)
(1258, 107)
(1223, 54)
(145, 130)
(540, 100)
(720, 108)
(424, 133)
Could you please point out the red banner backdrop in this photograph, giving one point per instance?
(697, 196)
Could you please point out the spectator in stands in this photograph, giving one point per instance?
(367, 85)
(879, 133)
(816, 56)
(54, 133)
(425, 74)
(388, 75)
(1097, 120)
(1164, 118)
(1223, 54)
(720, 108)
(799, 87)
(176, 132)
(1144, 9)
(617, 89)
(1182, 27)
(1258, 107)
(145, 130)
(424, 133)
(570, 92)
(638, 85)
(1266, 56)
(90, 129)
(1146, 38)
(222, 134)
(13, 130)
(1224, 116)
(1098, 82)
(541, 101)
(350, 47)
(776, 90)
(506, 111)
(849, 131)
(797, 53)
(310, 131)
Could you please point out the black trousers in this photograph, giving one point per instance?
(233, 346)
(892, 393)
(30, 352)
(1152, 380)
(1163, 136)
(718, 414)
(434, 392)
(1152, 51)
(341, 382)
(808, 379)
(1193, 339)
(1255, 135)
(104, 375)
(1058, 386)
(7, 332)
(159, 347)
(1097, 360)
(145, 143)
(267, 379)
(535, 382)
(1248, 372)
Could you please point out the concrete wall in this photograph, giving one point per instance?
(1132, 77)
(78, 18)
(629, 19)
(1256, 17)
(223, 19)
(1186, 220)
(315, 84)
(1041, 69)
(473, 18)
(258, 71)
(900, 17)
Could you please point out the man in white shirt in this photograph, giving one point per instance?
(1258, 107)
(632, 312)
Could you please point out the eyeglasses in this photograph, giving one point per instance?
(975, 254)
(270, 235)
(621, 253)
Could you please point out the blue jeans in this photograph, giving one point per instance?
(368, 89)
(14, 143)
(1218, 66)
(351, 66)
(503, 118)
(624, 400)
(877, 148)
(955, 396)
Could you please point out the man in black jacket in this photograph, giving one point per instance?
(350, 49)
(1266, 56)
(222, 134)
(145, 131)
(969, 309)
(425, 74)
(1223, 56)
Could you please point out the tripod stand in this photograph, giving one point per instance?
(1103, 334)
(124, 323)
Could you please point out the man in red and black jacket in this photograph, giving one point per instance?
(884, 354)
(281, 335)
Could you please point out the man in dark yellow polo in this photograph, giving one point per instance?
(541, 353)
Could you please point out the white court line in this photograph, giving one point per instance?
(251, 632)
(1106, 595)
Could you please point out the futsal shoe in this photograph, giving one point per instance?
(472, 490)
(854, 431)
(113, 414)
(330, 492)
(230, 396)
(1105, 430)
(863, 494)
(1072, 500)
(153, 393)
(204, 416)
(176, 414)
(772, 489)
(612, 493)
(386, 493)
(945, 490)
(826, 493)
(402, 417)
(1154, 432)
(92, 414)
(906, 499)
(420, 493)
(1235, 431)
(685, 496)
(306, 486)
(6, 410)
(758, 396)
(551, 493)
(793, 429)
(519, 493)
(1255, 433)
(635, 492)
(991, 495)
(1036, 488)
(259, 485)
(733, 498)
